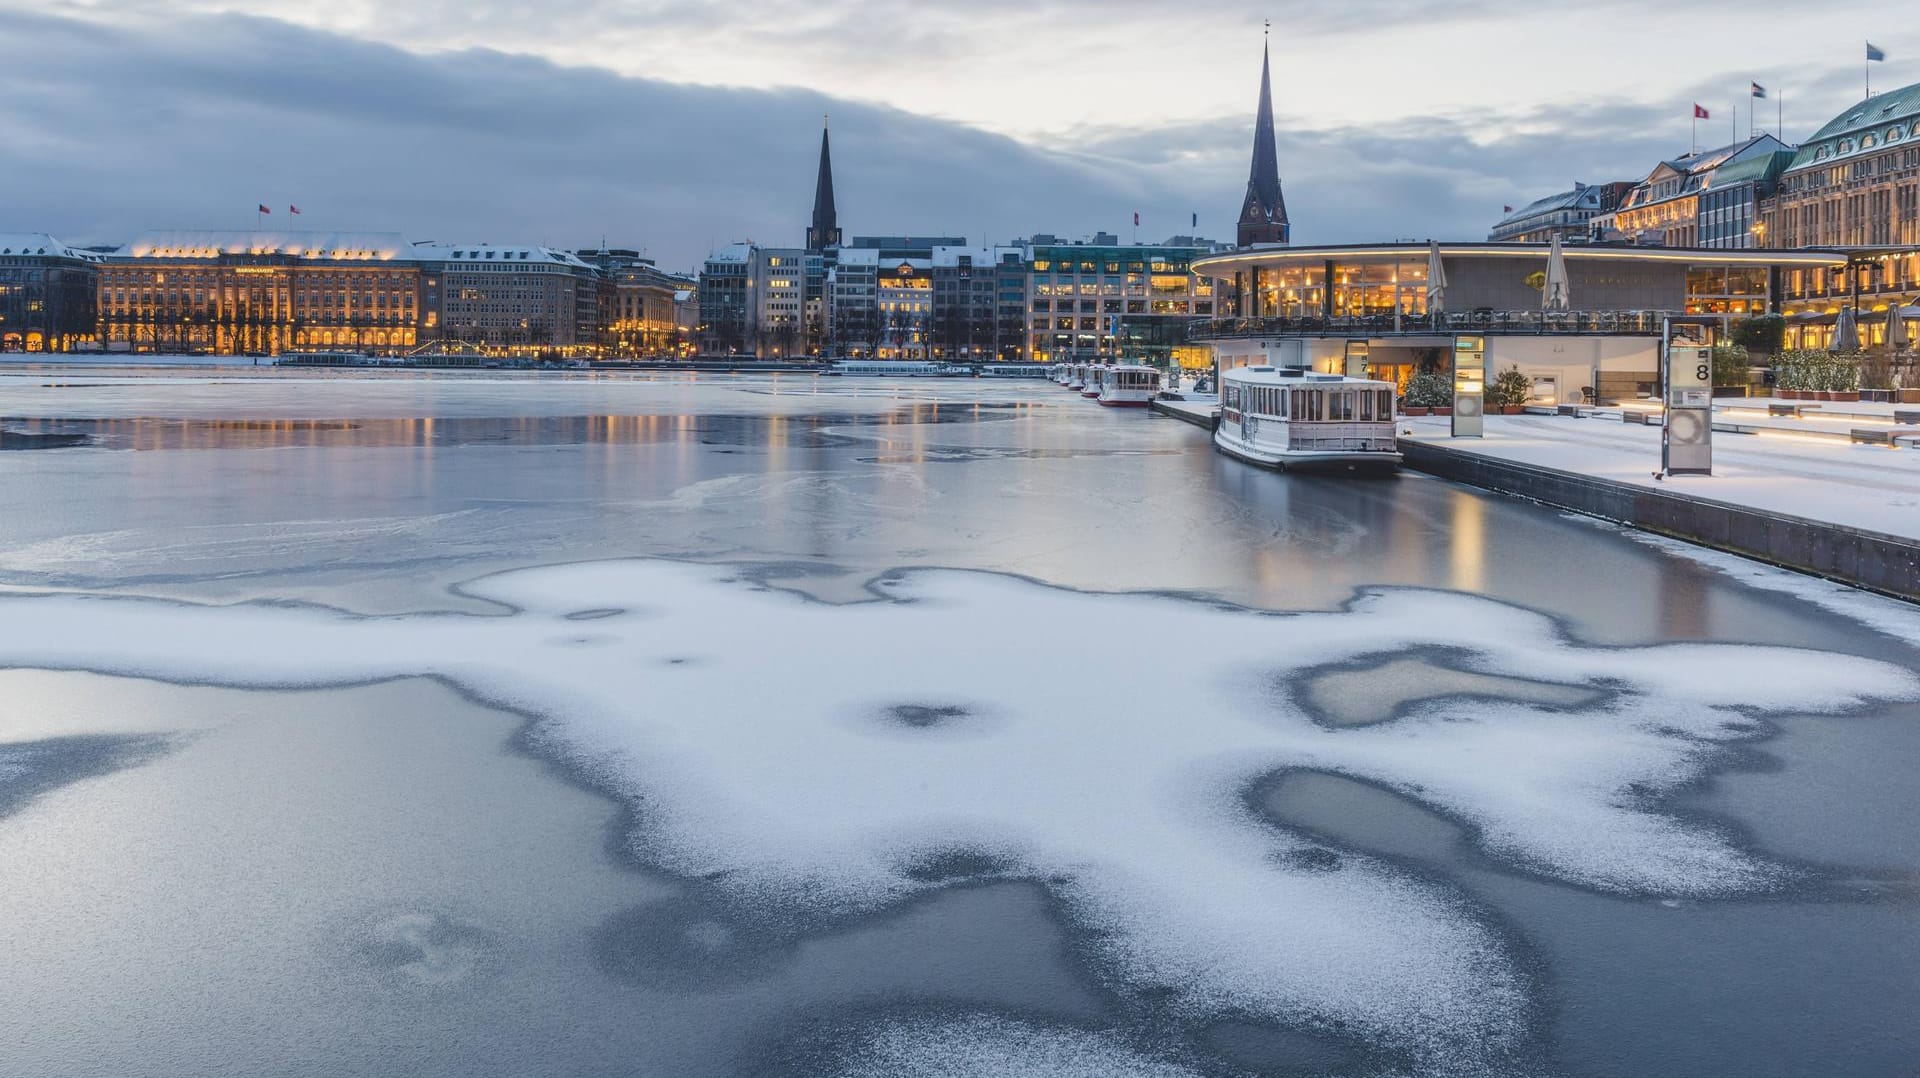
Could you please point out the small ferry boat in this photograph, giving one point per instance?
(1292, 418)
(1091, 387)
(1129, 385)
(898, 368)
(1077, 377)
(1062, 373)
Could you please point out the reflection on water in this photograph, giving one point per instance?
(773, 432)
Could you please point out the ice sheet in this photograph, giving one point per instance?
(808, 756)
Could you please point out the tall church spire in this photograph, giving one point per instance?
(1263, 216)
(825, 230)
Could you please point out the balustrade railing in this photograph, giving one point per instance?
(1604, 323)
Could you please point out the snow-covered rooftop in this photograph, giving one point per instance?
(39, 243)
(212, 243)
(496, 253)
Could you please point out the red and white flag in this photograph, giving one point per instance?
(1136, 218)
(1700, 113)
(264, 209)
(293, 209)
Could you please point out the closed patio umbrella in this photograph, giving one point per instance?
(1553, 295)
(1436, 282)
(1846, 332)
(1897, 326)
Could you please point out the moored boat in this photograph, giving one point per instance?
(1090, 388)
(1129, 385)
(1292, 418)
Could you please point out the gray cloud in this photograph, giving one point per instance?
(119, 126)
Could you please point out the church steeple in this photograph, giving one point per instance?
(1263, 216)
(825, 230)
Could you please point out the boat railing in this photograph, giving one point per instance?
(1476, 321)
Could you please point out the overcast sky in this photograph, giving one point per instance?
(679, 125)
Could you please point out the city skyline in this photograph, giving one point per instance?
(525, 145)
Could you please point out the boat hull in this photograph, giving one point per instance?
(1125, 402)
(1288, 460)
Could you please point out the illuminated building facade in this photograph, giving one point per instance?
(47, 294)
(260, 293)
(1107, 300)
(1855, 186)
(520, 300)
(1667, 209)
(637, 314)
(1568, 214)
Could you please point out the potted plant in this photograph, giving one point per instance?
(1429, 392)
(1509, 392)
(1790, 374)
(1731, 371)
(1843, 377)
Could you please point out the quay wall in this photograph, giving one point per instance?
(1883, 563)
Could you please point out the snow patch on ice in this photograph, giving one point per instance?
(818, 756)
(986, 1047)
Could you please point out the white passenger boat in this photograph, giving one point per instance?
(896, 368)
(1091, 387)
(1077, 380)
(1129, 385)
(1291, 418)
(1062, 373)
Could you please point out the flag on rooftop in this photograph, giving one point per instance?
(1875, 53)
(1757, 90)
(1506, 209)
(1700, 113)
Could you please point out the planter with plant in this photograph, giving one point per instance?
(1731, 371)
(1429, 391)
(1842, 377)
(1509, 392)
(1797, 373)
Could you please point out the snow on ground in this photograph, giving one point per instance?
(1858, 486)
(811, 757)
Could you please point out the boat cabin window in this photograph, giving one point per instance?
(1232, 398)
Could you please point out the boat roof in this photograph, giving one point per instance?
(1296, 376)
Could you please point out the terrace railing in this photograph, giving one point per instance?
(1482, 321)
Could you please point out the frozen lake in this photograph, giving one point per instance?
(780, 725)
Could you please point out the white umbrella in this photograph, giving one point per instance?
(1436, 282)
(1846, 332)
(1553, 294)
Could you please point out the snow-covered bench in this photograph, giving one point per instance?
(1797, 411)
(1887, 436)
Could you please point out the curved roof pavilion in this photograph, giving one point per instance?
(1488, 287)
(1225, 264)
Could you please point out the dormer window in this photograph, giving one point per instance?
(1868, 142)
(1846, 146)
(1894, 134)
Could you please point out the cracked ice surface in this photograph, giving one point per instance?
(810, 755)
